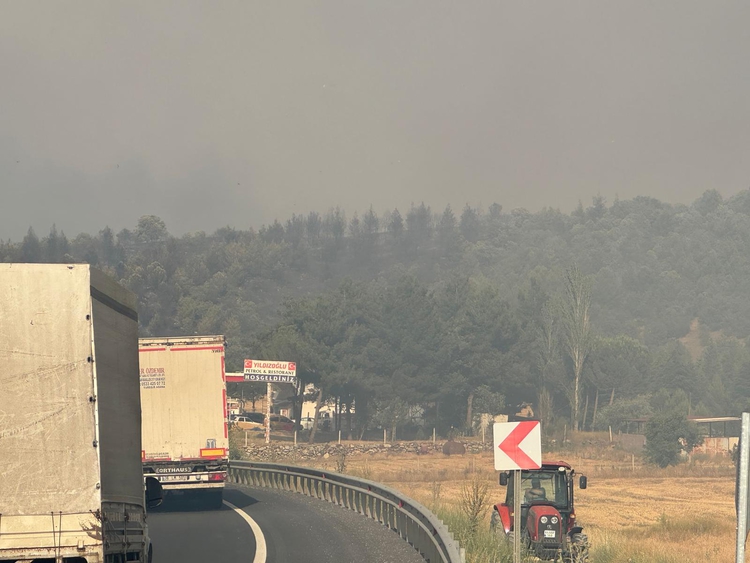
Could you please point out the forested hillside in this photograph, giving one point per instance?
(462, 312)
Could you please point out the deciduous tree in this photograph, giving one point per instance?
(576, 330)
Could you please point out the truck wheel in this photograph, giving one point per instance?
(150, 556)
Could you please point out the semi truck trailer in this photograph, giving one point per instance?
(184, 404)
(71, 485)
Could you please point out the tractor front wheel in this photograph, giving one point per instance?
(526, 541)
(496, 524)
(579, 548)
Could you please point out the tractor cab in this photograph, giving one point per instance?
(548, 519)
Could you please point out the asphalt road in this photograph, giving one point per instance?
(186, 532)
(296, 529)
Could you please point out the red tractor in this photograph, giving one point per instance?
(548, 519)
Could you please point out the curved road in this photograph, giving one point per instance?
(296, 528)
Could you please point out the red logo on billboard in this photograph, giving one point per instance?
(248, 364)
(292, 366)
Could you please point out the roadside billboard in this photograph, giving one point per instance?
(270, 371)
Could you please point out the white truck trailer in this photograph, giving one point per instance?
(184, 405)
(71, 485)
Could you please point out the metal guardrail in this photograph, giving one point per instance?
(414, 523)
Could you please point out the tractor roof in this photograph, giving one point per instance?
(555, 465)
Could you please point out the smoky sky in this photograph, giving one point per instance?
(238, 112)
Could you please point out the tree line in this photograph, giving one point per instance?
(441, 316)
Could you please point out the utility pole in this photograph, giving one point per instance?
(743, 483)
(268, 413)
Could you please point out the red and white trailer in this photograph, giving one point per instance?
(184, 412)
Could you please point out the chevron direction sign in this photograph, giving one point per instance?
(517, 445)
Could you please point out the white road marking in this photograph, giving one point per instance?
(260, 539)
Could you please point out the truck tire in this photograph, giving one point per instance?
(150, 557)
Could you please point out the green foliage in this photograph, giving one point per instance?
(434, 309)
(341, 462)
(667, 435)
(674, 369)
(391, 415)
(621, 363)
(474, 502)
(577, 340)
(150, 229)
(488, 401)
(31, 248)
(620, 411)
(236, 437)
(670, 400)
(481, 544)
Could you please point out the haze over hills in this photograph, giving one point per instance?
(425, 304)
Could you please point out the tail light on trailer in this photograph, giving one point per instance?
(217, 477)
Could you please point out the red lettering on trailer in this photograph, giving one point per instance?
(224, 393)
(187, 348)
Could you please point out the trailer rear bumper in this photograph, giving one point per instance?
(192, 480)
(171, 487)
(30, 554)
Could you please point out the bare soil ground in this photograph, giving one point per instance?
(633, 513)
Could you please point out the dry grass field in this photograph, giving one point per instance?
(633, 513)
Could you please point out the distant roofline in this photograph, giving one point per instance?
(698, 419)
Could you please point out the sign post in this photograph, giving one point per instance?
(270, 371)
(742, 492)
(269, 398)
(517, 446)
(517, 511)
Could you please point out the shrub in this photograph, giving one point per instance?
(474, 502)
(618, 413)
(667, 435)
(236, 442)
